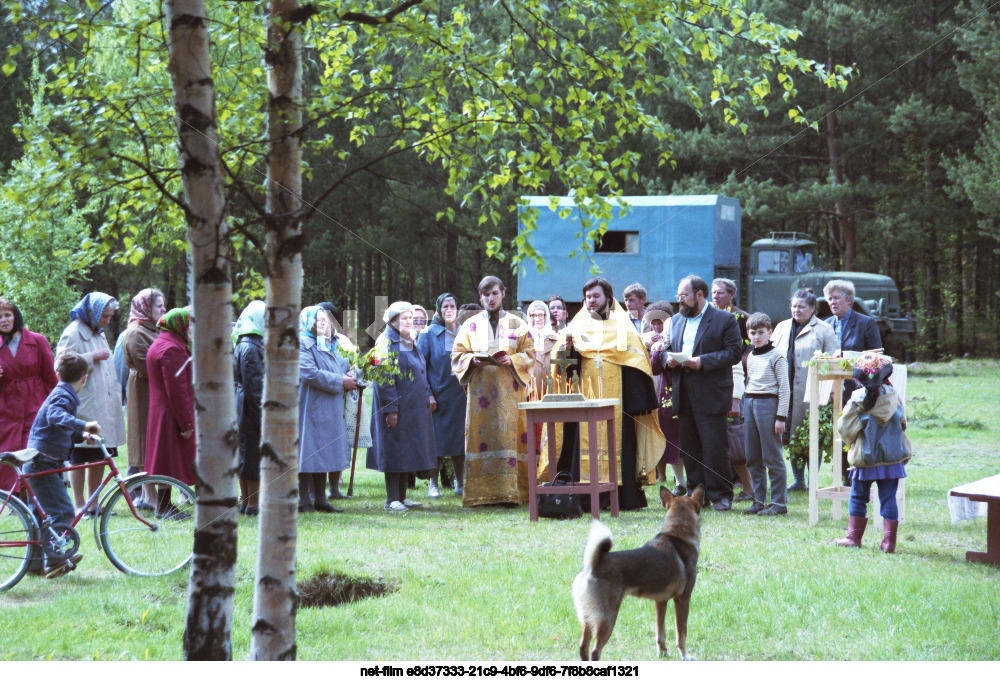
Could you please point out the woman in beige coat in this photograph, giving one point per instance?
(811, 336)
(101, 397)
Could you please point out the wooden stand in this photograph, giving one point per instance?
(836, 493)
(590, 411)
(985, 491)
(832, 371)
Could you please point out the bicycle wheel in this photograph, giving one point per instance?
(141, 550)
(16, 529)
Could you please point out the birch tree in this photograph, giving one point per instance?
(207, 635)
(275, 597)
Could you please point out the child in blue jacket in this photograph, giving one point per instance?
(52, 436)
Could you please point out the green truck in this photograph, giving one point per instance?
(787, 261)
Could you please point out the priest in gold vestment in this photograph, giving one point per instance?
(613, 363)
(492, 357)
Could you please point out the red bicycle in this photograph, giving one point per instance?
(139, 542)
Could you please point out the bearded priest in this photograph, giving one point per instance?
(613, 363)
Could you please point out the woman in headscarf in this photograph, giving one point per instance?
(145, 310)
(26, 378)
(248, 372)
(402, 425)
(170, 441)
(344, 342)
(101, 397)
(323, 381)
(449, 417)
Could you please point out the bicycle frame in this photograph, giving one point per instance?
(114, 474)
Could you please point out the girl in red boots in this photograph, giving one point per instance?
(873, 424)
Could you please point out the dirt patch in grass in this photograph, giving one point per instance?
(330, 590)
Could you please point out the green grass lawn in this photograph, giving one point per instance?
(489, 585)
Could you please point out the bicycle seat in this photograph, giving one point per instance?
(22, 456)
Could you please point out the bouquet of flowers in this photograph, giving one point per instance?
(371, 367)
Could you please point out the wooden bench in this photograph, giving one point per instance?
(985, 491)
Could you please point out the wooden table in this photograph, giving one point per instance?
(985, 491)
(590, 411)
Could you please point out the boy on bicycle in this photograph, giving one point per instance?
(52, 435)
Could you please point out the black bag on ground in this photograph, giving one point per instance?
(559, 506)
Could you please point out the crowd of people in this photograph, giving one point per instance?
(679, 376)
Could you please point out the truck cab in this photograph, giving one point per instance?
(787, 261)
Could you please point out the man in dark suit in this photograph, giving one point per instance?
(703, 387)
(855, 332)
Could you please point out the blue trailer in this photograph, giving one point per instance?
(659, 241)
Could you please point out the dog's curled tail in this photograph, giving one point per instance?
(598, 543)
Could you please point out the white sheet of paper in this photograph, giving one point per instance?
(679, 357)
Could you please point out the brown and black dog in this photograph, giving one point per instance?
(662, 570)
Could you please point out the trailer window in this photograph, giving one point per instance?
(772, 262)
(618, 242)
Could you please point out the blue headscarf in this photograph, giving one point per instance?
(90, 309)
(307, 322)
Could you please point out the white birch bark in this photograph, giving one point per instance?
(275, 597)
(207, 635)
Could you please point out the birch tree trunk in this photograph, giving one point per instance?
(207, 635)
(275, 596)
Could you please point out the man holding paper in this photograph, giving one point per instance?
(704, 345)
(492, 357)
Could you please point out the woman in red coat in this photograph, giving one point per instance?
(26, 378)
(170, 442)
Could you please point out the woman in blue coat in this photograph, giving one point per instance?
(435, 344)
(402, 426)
(323, 441)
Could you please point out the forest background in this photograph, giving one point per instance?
(899, 173)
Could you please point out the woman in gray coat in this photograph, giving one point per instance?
(402, 425)
(811, 335)
(323, 441)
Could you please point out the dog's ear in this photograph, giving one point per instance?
(699, 495)
(666, 497)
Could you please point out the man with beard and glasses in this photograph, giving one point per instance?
(613, 362)
(707, 340)
(492, 357)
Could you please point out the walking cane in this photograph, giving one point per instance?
(357, 431)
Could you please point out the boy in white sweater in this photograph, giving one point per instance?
(765, 403)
